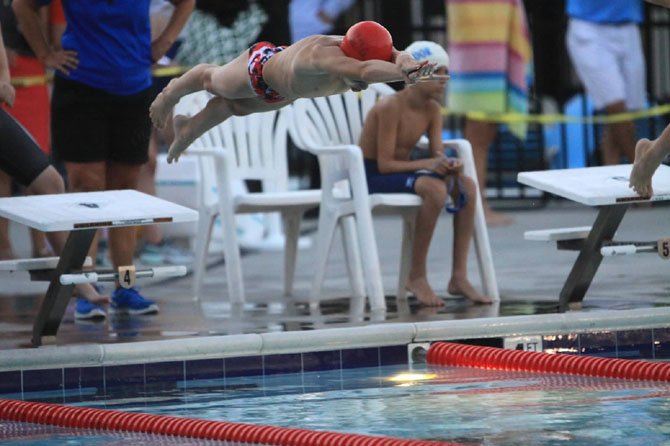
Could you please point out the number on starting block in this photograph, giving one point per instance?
(663, 246)
(127, 276)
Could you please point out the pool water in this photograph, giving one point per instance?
(451, 404)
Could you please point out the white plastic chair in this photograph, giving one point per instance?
(329, 128)
(252, 147)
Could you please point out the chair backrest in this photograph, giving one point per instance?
(334, 120)
(256, 144)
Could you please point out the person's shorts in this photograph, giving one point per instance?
(609, 61)
(90, 125)
(405, 182)
(20, 156)
(386, 183)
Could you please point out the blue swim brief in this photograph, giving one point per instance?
(404, 182)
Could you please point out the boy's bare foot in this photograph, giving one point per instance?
(181, 139)
(494, 218)
(161, 108)
(423, 291)
(643, 169)
(462, 286)
(88, 292)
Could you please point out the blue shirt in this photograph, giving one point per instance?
(606, 11)
(113, 41)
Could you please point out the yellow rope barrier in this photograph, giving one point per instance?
(499, 118)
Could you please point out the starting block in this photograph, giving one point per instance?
(35, 264)
(607, 188)
(82, 214)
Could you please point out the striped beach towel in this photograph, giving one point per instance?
(490, 57)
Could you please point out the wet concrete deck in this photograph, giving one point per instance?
(530, 276)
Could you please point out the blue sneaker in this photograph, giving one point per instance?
(128, 300)
(84, 309)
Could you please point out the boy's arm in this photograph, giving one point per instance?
(388, 115)
(28, 18)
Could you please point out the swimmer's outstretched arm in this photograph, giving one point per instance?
(333, 61)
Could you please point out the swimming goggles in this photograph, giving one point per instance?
(457, 198)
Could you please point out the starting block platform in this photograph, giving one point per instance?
(605, 187)
(82, 214)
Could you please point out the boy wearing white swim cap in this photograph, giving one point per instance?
(391, 130)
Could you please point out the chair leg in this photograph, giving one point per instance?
(203, 237)
(408, 225)
(352, 253)
(231, 250)
(370, 257)
(327, 223)
(291, 223)
(484, 256)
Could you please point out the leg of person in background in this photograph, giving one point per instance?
(50, 182)
(122, 242)
(111, 175)
(6, 251)
(618, 138)
(481, 135)
(39, 242)
(152, 234)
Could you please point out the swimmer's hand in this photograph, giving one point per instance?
(416, 71)
(7, 93)
(62, 60)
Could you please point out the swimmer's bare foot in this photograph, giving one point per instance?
(462, 286)
(88, 291)
(643, 168)
(161, 108)
(422, 290)
(181, 139)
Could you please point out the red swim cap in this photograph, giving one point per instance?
(367, 40)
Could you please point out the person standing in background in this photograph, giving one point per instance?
(491, 57)
(309, 17)
(102, 91)
(31, 110)
(155, 248)
(605, 47)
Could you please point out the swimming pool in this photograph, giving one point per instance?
(339, 379)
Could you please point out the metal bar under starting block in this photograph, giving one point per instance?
(94, 277)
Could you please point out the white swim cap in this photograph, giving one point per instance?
(432, 52)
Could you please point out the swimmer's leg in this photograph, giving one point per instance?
(229, 81)
(217, 110)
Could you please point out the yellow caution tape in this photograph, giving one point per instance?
(555, 118)
(499, 118)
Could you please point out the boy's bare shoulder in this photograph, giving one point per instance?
(389, 104)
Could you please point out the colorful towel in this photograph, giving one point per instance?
(490, 57)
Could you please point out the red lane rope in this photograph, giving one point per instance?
(88, 418)
(445, 353)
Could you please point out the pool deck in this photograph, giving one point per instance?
(530, 276)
